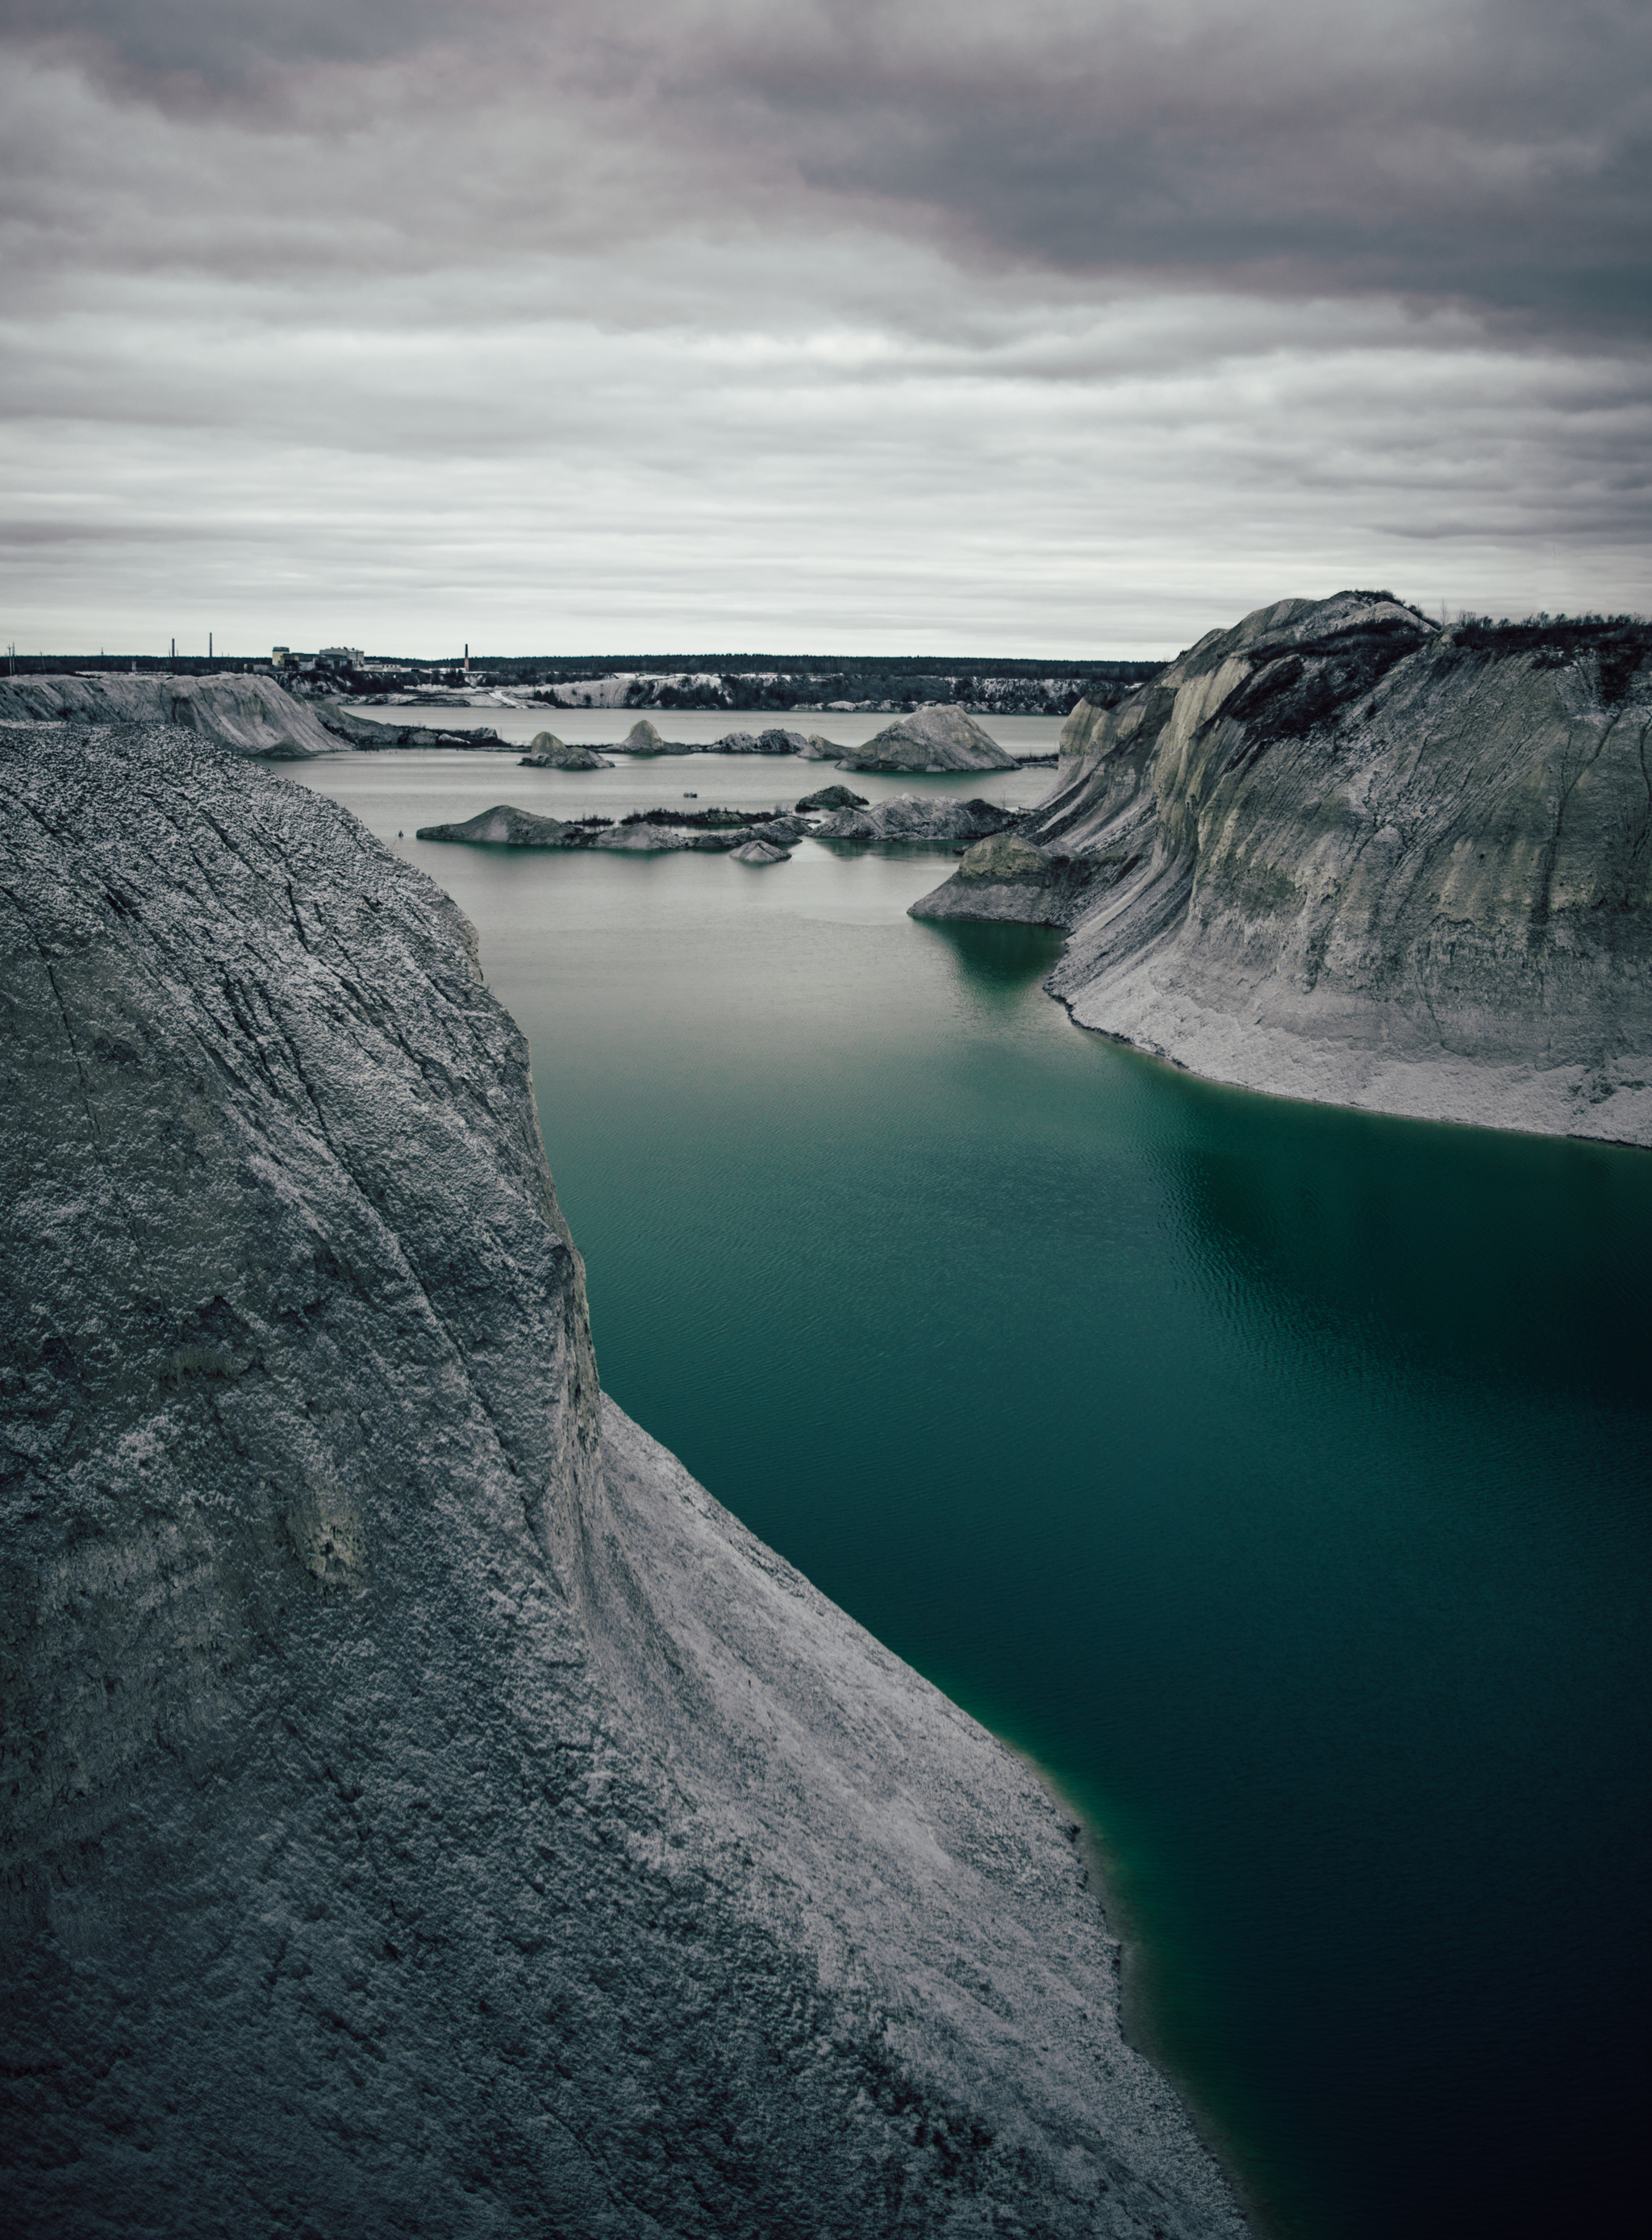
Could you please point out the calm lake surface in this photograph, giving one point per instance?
(1276, 1477)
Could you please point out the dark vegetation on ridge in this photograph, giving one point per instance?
(1295, 688)
(1619, 643)
(703, 820)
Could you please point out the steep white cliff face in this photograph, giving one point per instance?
(249, 715)
(424, 1808)
(1337, 853)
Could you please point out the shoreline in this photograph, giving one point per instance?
(1238, 2161)
(1152, 1055)
(1143, 1880)
(682, 1844)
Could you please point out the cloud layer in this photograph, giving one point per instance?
(834, 325)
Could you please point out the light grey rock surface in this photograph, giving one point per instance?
(783, 829)
(371, 736)
(936, 738)
(251, 714)
(547, 752)
(1005, 879)
(505, 827)
(648, 838)
(651, 834)
(762, 851)
(817, 748)
(1339, 854)
(906, 817)
(775, 740)
(425, 1809)
(643, 739)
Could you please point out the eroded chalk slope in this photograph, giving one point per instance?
(425, 1809)
(1338, 853)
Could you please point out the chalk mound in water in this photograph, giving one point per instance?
(933, 738)
(908, 818)
(547, 752)
(502, 827)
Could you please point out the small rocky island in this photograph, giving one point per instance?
(426, 1810)
(904, 820)
(643, 739)
(1342, 853)
(933, 738)
(547, 752)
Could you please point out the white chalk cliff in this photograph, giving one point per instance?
(249, 715)
(424, 1808)
(1341, 854)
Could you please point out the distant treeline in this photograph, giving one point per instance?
(753, 682)
(126, 665)
(540, 669)
(822, 667)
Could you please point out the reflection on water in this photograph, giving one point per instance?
(991, 968)
(1275, 1475)
(1460, 1251)
(1431, 1529)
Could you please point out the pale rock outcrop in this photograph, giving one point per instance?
(762, 851)
(942, 820)
(818, 748)
(643, 739)
(1338, 853)
(547, 752)
(1008, 880)
(781, 829)
(505, 827)
(424, 1808)
(369, 737)
(647, 838)
(250, 714)
(940, 737)
(775, 740)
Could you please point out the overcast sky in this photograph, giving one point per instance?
(1073, 328)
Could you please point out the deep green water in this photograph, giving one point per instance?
(1276, 1477)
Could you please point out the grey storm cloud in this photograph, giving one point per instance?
(1499, 154)
(169, 47)
(1089, 325)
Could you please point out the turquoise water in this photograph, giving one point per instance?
(1276, 1476)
